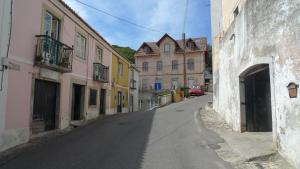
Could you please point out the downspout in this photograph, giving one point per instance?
(8, 46)
(274, 97)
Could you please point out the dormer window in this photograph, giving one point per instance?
(147, 49)
(191, 45)
(167, 48)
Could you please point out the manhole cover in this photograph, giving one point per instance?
(179, 110)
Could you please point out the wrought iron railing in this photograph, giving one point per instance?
(101, 72)
(132, 84)
(53, 54)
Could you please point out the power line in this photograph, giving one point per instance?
(123, 19)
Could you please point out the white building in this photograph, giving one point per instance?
(256, 56)
(133, 89)
(5, 25)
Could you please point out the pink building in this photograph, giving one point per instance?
(59, 71)
(162, 62)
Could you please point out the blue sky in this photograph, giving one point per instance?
(163, 15)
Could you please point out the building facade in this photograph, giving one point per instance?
(59, 70)
(255, 62)
(162, 62)
(5, 28)
(133, 88)
(120, 84)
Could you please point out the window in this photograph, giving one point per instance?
(80, 46)
(174, 64)
(167, 48)
(51, 26)
(147, 49)
(174, 83)
(99, 54)
(93, 97)
(120, 69)
(191, 45)
(145, 67)
(190, 64)
(159, 65)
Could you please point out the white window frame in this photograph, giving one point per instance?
(80, 46)
(99, 55)
(165, 48)
(120, 69)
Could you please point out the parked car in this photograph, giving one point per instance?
(196, 91)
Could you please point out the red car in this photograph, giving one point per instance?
(196, 91)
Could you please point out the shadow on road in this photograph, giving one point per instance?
(116, 142)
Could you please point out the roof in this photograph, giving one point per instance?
(200, 45)
(91, 28)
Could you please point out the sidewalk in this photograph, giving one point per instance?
(247, 150)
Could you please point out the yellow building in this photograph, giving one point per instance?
(120, 83)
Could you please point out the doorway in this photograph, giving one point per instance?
(256, 98)
(131, 103)
(102, 101)
(77, 102)
(44, 106)
(119, 102)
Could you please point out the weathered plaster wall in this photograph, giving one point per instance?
(5, 6)
(263, 32)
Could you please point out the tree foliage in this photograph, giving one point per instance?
(126, 52)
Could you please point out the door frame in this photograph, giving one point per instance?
(102, 110)
(119, 102)
(82, 100)
(57, 111)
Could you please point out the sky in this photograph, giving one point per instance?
(167, 16)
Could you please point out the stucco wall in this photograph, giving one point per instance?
(5, 6)
(16, 114)
(264, 32)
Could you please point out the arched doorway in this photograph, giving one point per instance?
(256, 112)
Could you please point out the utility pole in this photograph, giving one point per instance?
(184, 66)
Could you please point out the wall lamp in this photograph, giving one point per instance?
(293, 90)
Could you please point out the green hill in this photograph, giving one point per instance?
(126, 52)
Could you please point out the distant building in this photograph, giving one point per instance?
(256, 57)
(162, 62)
(133, 88)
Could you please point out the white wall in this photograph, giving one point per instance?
(263, 32)
(5, 6)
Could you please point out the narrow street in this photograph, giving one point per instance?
(167, 138)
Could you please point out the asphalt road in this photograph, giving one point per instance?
(166, 138)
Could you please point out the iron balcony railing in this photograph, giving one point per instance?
(53, 54)
(101, 72)
(132, 84)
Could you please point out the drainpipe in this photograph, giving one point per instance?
(274, 97)
(4, 67)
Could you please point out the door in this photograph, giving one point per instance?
(131, 103)
(44, 108)
(119, 103)
(102, 101)
(77, 102)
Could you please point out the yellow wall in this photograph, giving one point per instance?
(121, 83)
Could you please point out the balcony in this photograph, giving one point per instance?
(133, 84)
(100, 72)
(53, 54)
